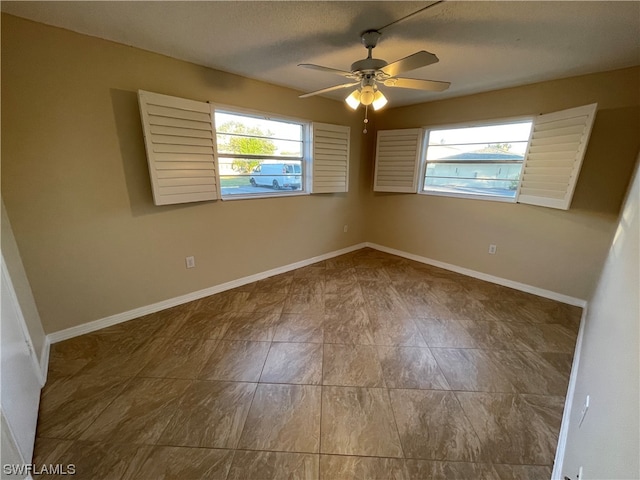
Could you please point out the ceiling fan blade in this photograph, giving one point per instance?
(329, 89)
(417, 60)
(429, 85)
(326, 69)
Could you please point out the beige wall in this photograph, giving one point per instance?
(561, 251)
(77, 191)
(607, 443)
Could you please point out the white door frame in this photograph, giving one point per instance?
(21, 395)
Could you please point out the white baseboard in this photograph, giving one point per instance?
(172, 302)
(558, 463)
(541, 292)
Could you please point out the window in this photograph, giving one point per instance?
(259, 156)
(535, 162)
(249, 156)
(476, 161)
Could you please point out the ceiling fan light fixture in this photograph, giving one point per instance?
(353, 100)
(379, 100)
(367, 95)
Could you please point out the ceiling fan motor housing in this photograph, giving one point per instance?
(370, 38)
(368, 65)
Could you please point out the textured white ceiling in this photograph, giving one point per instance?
(482, 45)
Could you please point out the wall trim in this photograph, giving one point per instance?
(44, 358)
(558, 462)
(13, 298)
(99, 324)
(541, 292)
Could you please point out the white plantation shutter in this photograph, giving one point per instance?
(554, 157)
(330, 158)
(179, 139)
(397, 160)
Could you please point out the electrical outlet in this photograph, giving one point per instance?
(492, 249)
(345, 229)
(190, 261)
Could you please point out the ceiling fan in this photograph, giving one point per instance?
(369, 74)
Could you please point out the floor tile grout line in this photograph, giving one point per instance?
(395, 422)
(222, 380)
(231, 462)
(441, 370)
(294, 452)
(473, 428)
(244, 424)
(376, 351)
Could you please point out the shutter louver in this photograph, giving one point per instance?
(330, 158)
(397, 160)
(554, 157)
(179, 139)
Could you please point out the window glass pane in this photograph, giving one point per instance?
(478, 178)
(484, 160)
(243, 176)
(474, 171)
(243, 134)
(258, 155)
(478, 151)
(243, 144)
(509, 132)
(267, 127)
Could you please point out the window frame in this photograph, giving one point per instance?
(306, 161)
(484, 123)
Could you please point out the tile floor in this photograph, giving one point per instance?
(363, 366)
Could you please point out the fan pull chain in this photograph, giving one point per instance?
(366, 120)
